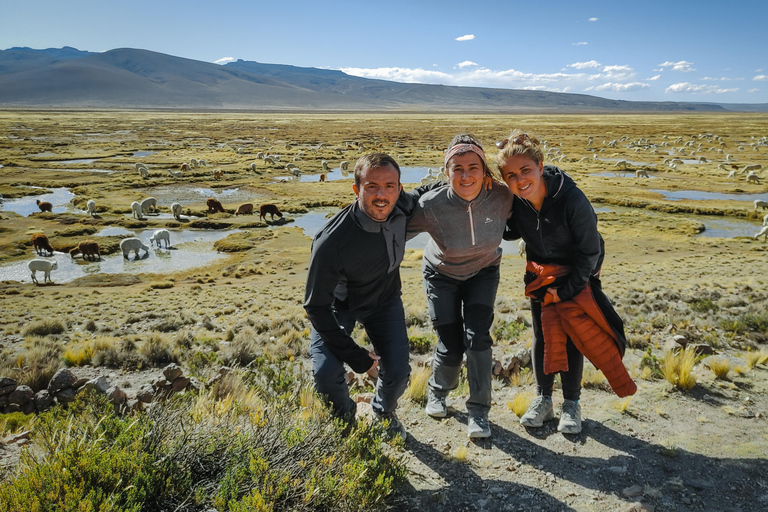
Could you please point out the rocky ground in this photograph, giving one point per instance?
(665, 449)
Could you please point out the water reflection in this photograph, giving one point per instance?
(677, 195)
(58, 197)
(407, 175)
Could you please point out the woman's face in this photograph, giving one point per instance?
(523, 176)
(465, 172)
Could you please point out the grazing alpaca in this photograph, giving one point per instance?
(270, 209)
(245, 209)
(88, 248)
(214, 205)
(159, 236)
(176, 211)
(40, 243)
(132, 244)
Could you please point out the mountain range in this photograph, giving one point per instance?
(127, 78)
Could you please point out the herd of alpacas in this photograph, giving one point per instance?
(677, 148)
(90, 251)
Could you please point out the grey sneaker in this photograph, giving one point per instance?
(436, 405)
(539, 411)
(392, 425)
(478, 427)
(570, 418)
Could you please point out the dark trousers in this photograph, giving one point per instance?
(571, 379)
(386, 329)
(462, 313)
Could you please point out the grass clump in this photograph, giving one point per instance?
(520, 403)
(35, 364)
(755, 358)
(592, 378)
(422, 344)
(509, 330)
(161, 285)
(678, 368)
(157, 350)
(417, 385)
(253, 449)
(44, 327)
(720, 366)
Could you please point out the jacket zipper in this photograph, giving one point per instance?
(538, 224)
(471, 223)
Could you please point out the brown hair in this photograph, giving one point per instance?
(519, 144)
(468, 138)
(374, 161)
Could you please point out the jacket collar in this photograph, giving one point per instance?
(370, 225)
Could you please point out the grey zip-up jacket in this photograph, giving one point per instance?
(465, 234)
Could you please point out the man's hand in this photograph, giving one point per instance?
(551, 297)
(373, 371)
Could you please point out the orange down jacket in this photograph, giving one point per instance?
(581, 320)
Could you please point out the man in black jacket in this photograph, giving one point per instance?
(354, 275)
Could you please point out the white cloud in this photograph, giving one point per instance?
(592, 64)
(761, 77)
(683, 66)
(593, 19)
(224, 60)
(687, 87)
(654, 78)
(753, 90)
(466, 63)
(467, 37)
(616, 87)
(580, 43)
(406, 75)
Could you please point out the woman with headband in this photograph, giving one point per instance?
(564, 252)
(465, 219)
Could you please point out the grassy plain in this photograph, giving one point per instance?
(664, 278)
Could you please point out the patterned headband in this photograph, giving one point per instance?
(464, 148)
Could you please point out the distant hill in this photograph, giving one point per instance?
(132, 78)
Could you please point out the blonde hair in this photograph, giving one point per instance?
(519, 144)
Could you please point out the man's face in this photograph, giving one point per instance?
(378, 191)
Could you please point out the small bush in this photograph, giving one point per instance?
(161, 285)
(524, 377)
(13, 422)
(35, 364)
(44, 327)
(593, 378)
(417, 386)
(157, 350)
(520, 403)
(703, 306)
(720, 366)
(678, 368)
(422, 344)
(509, 330)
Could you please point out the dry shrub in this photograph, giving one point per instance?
(157, 350)
(678, 368)
(720, 366)
(243, 349)
(621, 405)
(35, 364)
(520, 403)
(592, 378)
(44, 327)
(755, 358)
(82, 354)
(522, 378)
(417, 385)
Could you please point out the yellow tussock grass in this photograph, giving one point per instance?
(678, 368)
(417, 385)
(720, 366)
(520, 403)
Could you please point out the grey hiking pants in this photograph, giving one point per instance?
(462, 314)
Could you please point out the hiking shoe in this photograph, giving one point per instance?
(478, 427)
(436, 406)
(570, 418)
(392, 425)
(539, 411)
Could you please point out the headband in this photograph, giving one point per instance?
(464, 148)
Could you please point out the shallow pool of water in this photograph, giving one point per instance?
(59, 198)
(618, 174)
(407, 175)
(727, 228)
(189, 249)
(192, 195)
(677, 195)
(631, 162)
(139, 154)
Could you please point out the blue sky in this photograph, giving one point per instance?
(703, 51)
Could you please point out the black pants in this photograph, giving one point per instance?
(571, 379)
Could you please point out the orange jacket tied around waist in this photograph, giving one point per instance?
(581, 320)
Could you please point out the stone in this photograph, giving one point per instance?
(703, 349)
(180, 383)
(5, 383)
(7, 390)
(134, 405)
(3, 400)
(15, 438)
(364, 398)
(146, 394)
(21, 395)
(496, 369)
(28, 407)
(82, 381)
(116, 395)
(65, 396)
(172, 372)
(43, 400)
(11, 408)
(160, 383)
(633, 491)
(62, 379)
(638, 507)
(195, 385)
(99, 384)
(524, 356)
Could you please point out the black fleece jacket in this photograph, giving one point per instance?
(563, 231)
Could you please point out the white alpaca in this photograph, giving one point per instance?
(428, 178)
(91, 207)
(132, 244)
(144, 172)
(175, 174)
(176, 211)
(622, 163)
(641, 173)
(136, 210)
(751, 167)
(753, 178)
(159, 236)
(296, 172)
(193, 162)
(202, 163)
(764, 233)
(324, 165)
(761, 204)
(344, 165)
(148, 203)
(43, 266)
(140, 166)
(732, 174)
(765, 220)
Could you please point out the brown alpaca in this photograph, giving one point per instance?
(214, 206)
(40, 243)
(44, 206)
(270, 209)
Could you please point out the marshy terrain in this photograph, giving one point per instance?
(683, 268)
